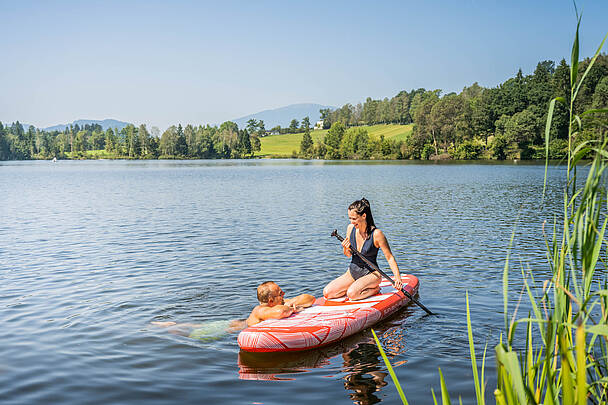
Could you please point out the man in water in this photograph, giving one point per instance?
(273, 305)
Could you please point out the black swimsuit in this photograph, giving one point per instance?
(357, 267)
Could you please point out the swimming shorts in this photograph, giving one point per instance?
(211, 330)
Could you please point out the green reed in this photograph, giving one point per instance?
(565, 356)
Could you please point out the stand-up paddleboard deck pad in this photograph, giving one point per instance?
(327, 321)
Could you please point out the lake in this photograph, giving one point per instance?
(92, 251)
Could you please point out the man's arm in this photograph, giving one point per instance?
(302, 300)
(260, 314)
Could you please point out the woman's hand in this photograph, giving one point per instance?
(398, 284)
(346, 244)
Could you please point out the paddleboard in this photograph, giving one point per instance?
(327, 321)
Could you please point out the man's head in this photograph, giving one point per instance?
(270, 293)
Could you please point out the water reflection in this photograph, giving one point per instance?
(365, 377)
(356, 360)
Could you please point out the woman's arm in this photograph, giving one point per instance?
(346, 241)
(381, 242)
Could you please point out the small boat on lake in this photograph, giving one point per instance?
(327, 321)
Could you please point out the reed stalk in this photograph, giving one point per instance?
(565, 356)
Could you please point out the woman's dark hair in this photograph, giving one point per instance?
(362, 207)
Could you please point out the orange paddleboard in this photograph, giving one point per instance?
(327, 321)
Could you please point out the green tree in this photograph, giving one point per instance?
(168, 142)
(96, 140)
(446, 117)
(401, 108)
(597, 124)
(325, 114)
(190, 135)
(305, 123)
(31, 140)
(306, 145)
(355, 144)
(132, 141)
(4, 146)
(226, 140)
(80, 141)
(332, 140)
(600, 97)
(424, 131)
(181, 146)
(511, 96)
(256, 145)
(111, 141)
(261, 131)
(293, 126)
(482, 117)
(144, 140)
(244, 143)
(521, 128)
(370, 111)
(252, 125)
(540, 86)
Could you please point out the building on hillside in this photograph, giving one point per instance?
(318, 125)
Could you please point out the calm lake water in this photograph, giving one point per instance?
(91, 252)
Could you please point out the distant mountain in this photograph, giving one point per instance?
(105, 124)
(283, 116)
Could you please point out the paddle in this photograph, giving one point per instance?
(373, 267)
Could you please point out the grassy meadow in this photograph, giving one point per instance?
(275, 146)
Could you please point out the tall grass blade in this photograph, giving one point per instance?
(574, 57)
(505, 282)
(566, 372)
(547, 133)
(511, 365)
(480, 399)
(445, 396)
(581, 367)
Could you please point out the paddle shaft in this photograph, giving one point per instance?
(373, 267)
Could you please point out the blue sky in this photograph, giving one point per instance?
(168, 62)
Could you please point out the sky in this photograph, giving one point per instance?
(161, 63)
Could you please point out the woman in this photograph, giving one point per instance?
(359, 281)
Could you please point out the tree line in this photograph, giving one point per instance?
(506, 121)
(202, 142)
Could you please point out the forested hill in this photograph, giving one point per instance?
(506, 121)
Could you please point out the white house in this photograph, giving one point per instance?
(319, 125)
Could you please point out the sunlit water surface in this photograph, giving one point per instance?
(91, 252)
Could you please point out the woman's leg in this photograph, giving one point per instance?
(337, 288)
(364, 287)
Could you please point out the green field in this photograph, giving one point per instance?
(285, 145)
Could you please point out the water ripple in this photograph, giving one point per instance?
(91, 252)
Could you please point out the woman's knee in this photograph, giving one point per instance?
(353, 293)
(327, 291)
